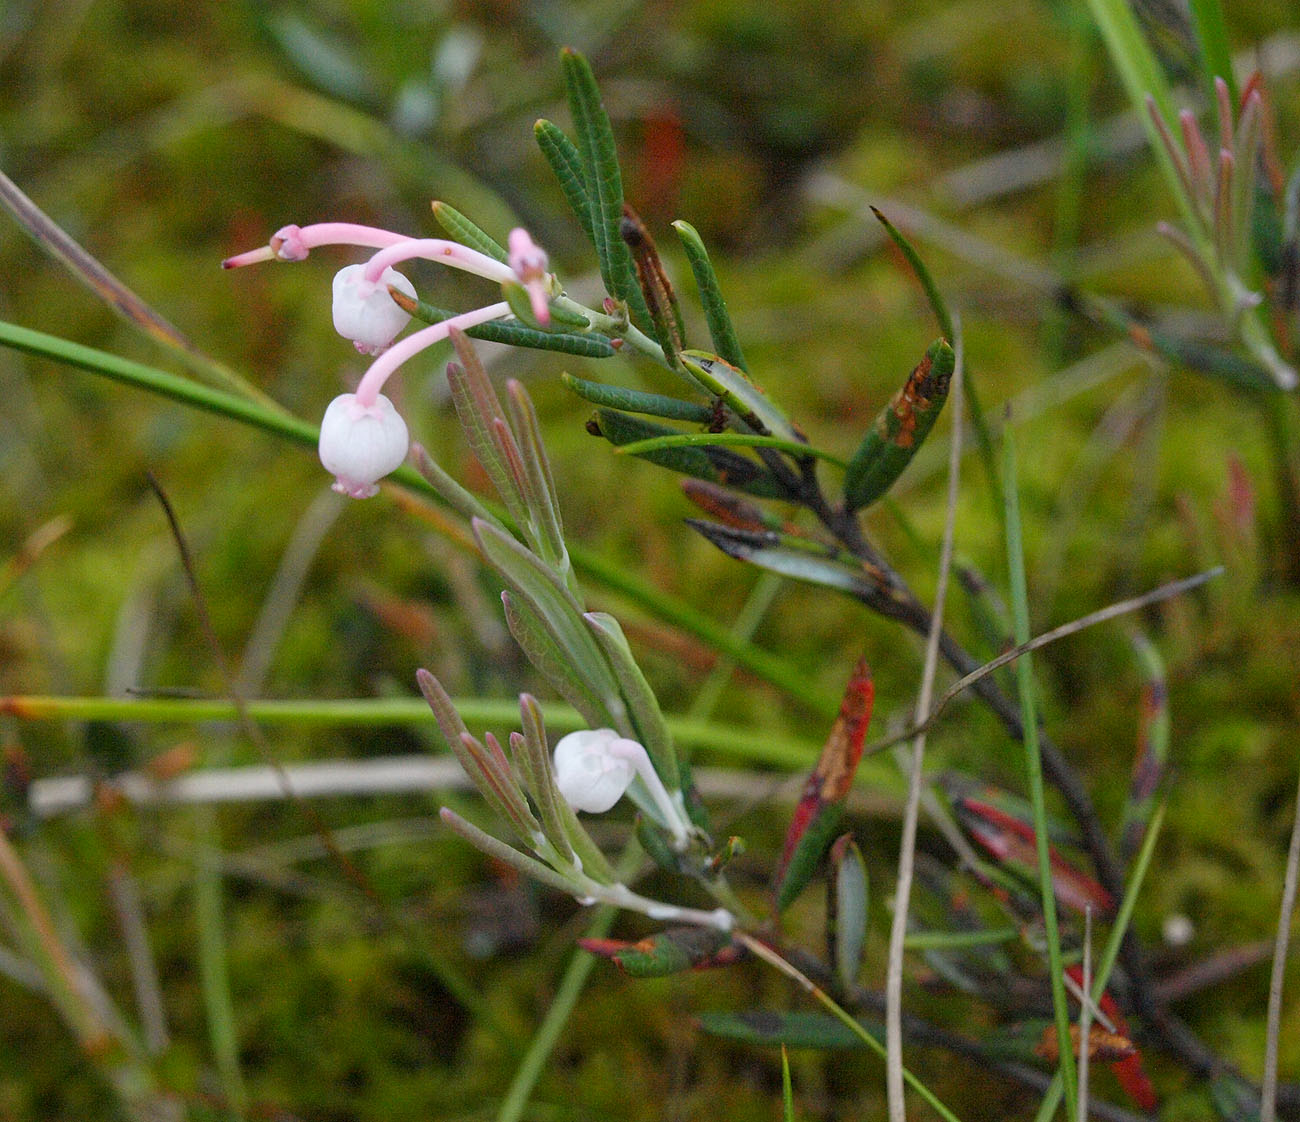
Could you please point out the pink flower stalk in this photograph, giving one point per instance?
(293, 243)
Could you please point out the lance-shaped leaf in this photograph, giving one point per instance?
(716, 465)
(604, 182)
(566, 165)
(1011, 840)
(479, 412)
(740, 394)
(461, 229)
(900, 428)
(801, 559)
(846, 909)
(588, 344)
(486, 766)
(638, 401)
(1152, 746)
(642, 706)
(508, 854)
(541, 590)
(668, 952)
(545, 504)
(913, 258)
(541, 650)
(820, 808)
(794, 1030)
(721, 329)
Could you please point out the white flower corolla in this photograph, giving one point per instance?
(360, 444)
(594, 768)
(365, 312)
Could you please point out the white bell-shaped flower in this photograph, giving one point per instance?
(364, 311)
(594, 768)
(360, 444)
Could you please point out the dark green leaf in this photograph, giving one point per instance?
(590, 344)
(794, 1030)
(637, 401)
(899, 429)
(461, 229)
(667, 952)
(566, 164)
(716, 465)
(721, 329)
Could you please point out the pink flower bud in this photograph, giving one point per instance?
(594, 767)
(365, 312)
(360, 444)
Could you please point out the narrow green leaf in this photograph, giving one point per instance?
(451, 492)
(721, 329)
(734, 386)
(642, 705)
(461, 229)
(546, 505)
(1152, 745)
(566, 165)
(1034, 763)
(716, 465)
(544, 592)
(787, 1089)
(479, 410)
(768, 1027)
(604, 182)
(847, 897)
(533, 756)
(590, 344)
(791, 557)
(735, 440)
(493, 847)
(637, 401)
(899, 429)
(552, 662)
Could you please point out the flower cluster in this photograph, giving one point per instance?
(362, 436)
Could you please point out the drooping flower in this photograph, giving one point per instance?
(595, 767)
(365, 312)
(364, 433)
(361, 443)
(590, 770)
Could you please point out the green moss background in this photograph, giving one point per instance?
(165, 137)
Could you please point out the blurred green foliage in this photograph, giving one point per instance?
(164, 137)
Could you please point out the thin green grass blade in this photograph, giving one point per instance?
(1215, 51)
(721, 330)
(932, 293)
(1141, 75)
(781, 672)
(1034, 763)
(787, 1091)
(461, 229)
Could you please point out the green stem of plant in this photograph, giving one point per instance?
(779, 671)
(1034, 763)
